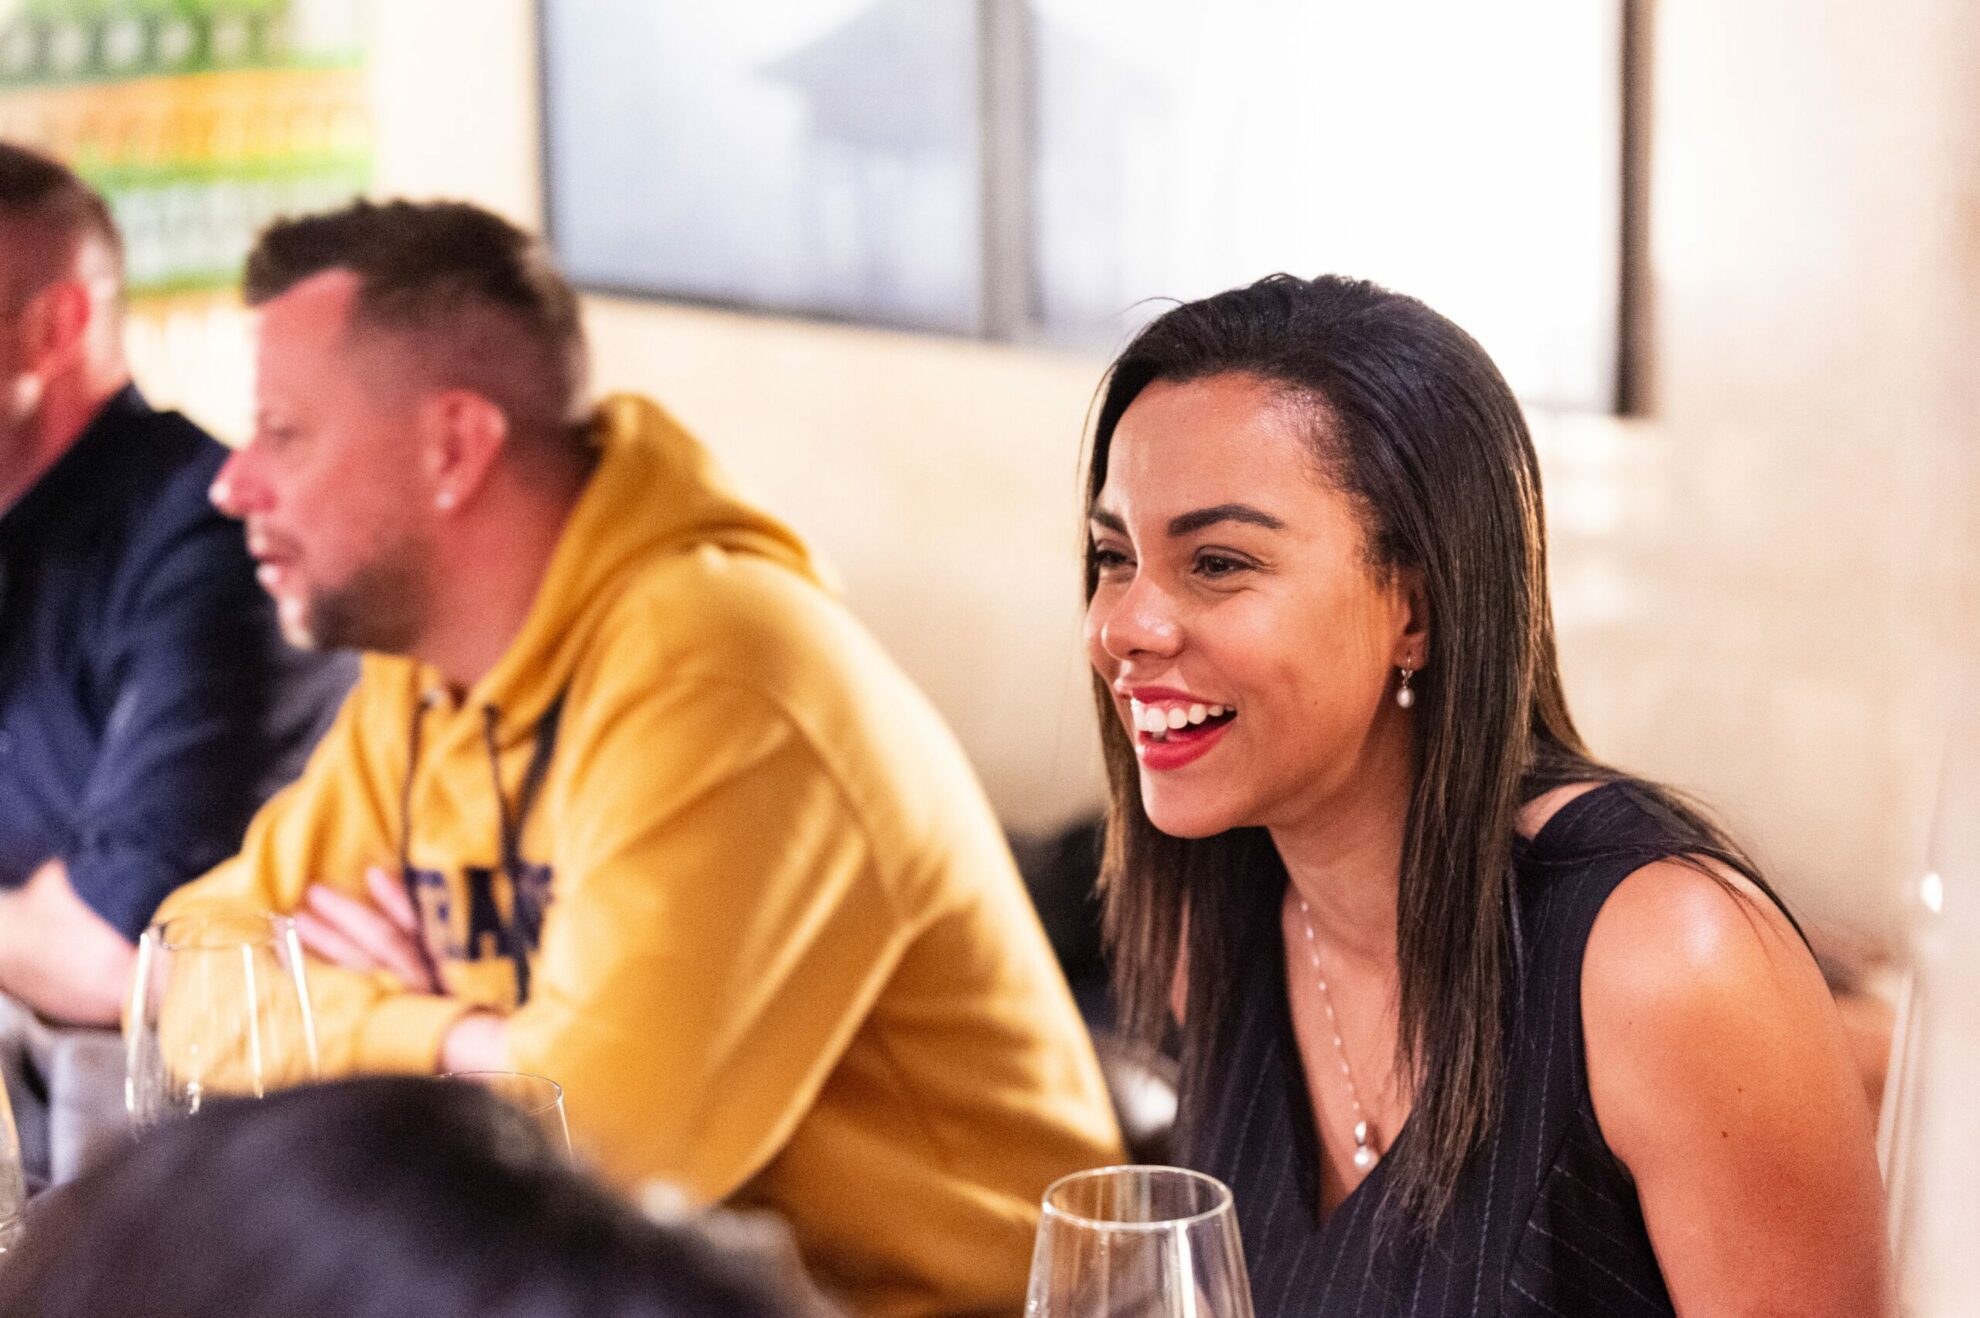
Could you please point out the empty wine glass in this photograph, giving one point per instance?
(1926, 1143)
(13, 1181)
(541, 1100)
(219, 1008)
(1138, 1242)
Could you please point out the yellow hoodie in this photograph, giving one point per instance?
(767, 934)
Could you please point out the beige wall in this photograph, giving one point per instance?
(1759, 588)
(1792, 574)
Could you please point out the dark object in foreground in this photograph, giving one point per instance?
(367, 1199)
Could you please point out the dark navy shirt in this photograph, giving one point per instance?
(148, 703)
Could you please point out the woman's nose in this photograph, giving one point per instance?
(1140, 621)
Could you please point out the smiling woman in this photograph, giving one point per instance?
(1261, 567)
(1471, 1021)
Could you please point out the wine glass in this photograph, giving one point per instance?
(219, 1008)
(1138, 1242)
(13, 1180)
(1926, 1143)
(541, 1100)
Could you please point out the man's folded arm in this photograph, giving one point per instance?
(57, 955)
(329, 826)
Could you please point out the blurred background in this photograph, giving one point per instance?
(877, 253)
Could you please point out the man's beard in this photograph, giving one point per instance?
(382, 608)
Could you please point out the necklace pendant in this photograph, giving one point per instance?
(1365, 1156)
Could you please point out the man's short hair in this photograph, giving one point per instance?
(477, 299)
(56, 210)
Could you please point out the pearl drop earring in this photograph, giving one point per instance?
(1404, 696)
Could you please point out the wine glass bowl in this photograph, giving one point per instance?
(13, 1180)
(1138, 1242)
(541, 1100)
(219, 1008)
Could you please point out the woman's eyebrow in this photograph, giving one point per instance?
(1187, 523)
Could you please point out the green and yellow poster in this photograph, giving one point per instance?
(199, 120)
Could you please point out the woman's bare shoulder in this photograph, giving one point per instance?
(1687, 956)
(1687, 930)
(1721, 1077)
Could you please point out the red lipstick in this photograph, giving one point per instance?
(1179, 750)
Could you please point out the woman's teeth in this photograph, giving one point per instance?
(1159, 720)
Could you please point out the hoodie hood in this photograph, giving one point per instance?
(655, 492)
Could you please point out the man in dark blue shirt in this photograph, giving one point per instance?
(147, 702)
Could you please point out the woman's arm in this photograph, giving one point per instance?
(1722, 1079)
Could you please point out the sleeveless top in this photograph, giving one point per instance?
(1545, 1219)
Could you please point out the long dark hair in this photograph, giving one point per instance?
(1415, 424)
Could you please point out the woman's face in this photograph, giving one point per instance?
(1237, 610)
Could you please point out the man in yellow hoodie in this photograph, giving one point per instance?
(624, 797)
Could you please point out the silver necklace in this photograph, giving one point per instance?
(1365, 1156)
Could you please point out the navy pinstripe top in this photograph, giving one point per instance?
(1545, 1219)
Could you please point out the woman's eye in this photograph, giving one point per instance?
(1106, 559)
(1219, 565)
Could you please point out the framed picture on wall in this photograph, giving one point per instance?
(817, 157)
(199, 120)
(1050, 172)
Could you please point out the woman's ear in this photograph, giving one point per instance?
(1413, 642)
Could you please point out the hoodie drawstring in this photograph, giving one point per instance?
(539, 765)
(511, 822)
